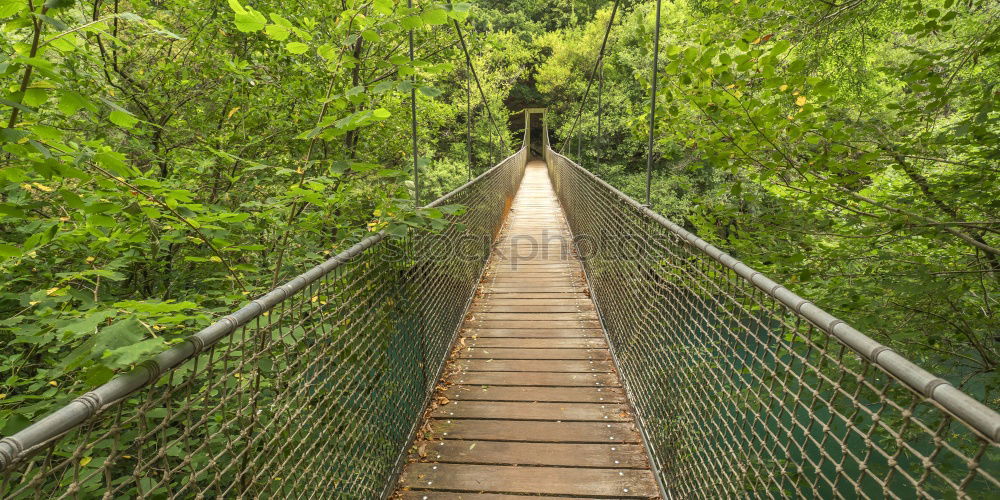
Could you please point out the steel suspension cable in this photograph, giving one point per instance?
(590, 81)
(413, 122)
(468, 116)
(652, 103)
(599, 140)
(486, 104)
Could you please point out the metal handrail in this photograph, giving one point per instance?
(24, 447)
(968, 409)
(86, 406)
(741, 385)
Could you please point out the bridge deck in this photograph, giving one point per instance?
(531, 402)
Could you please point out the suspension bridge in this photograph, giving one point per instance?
(558, 339)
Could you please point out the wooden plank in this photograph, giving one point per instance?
(505, 256)
(530, 269)
(525, 223)
(537, 320)
(566, 265)
(534, 365)
(533, 283)
(532, 246)
(532, 353)
(541, 394)
(536, 378)
(532, 278)
(445, 495)
(535, 431)
(491, 282)
(533, 324)
(573, 312)
(519, 410)
(535, 296)
(549, 286)
(495, 302)
(528, 288)
(536, 246)
(608, 483)
(526, 272)
(542, 219)
(536, 332)
(532, 316)
(578, 343)
(492, 306)
(614, 456)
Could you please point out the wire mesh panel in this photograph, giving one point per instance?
(310, 391)
(745, 389)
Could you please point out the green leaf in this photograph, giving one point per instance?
(99, 220)
(70, 102)
(10, 210)
(397, 229)
(121, 333)
(429, 91)
(72, 199)
(412, 22)
(458, 11)
(277, 32)
(370, 35)
(35, 97)
(327, 51)
(113, 161)
(123, 119)
(296, 47)
(15, 423)
(12, 135)
(9, 250)
(11, 7)
(89, 323)
(281, 21)
(247, 19)
(59, 4)
(384, 86)
(97, 375)
(46, 132)
(383, 6)
(17, 105)
(440, 68)
(133, 353)
(237, 8)
(434, 16)
(453, 209)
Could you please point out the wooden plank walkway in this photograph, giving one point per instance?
(530, 403)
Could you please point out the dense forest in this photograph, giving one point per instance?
(166, 160)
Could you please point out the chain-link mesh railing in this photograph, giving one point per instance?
(744, 389)
(313, 390)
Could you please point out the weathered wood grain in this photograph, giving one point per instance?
(593, 394)
(516, 410)
(607, 483)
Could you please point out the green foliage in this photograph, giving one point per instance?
(165, 161)
(848, 151)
